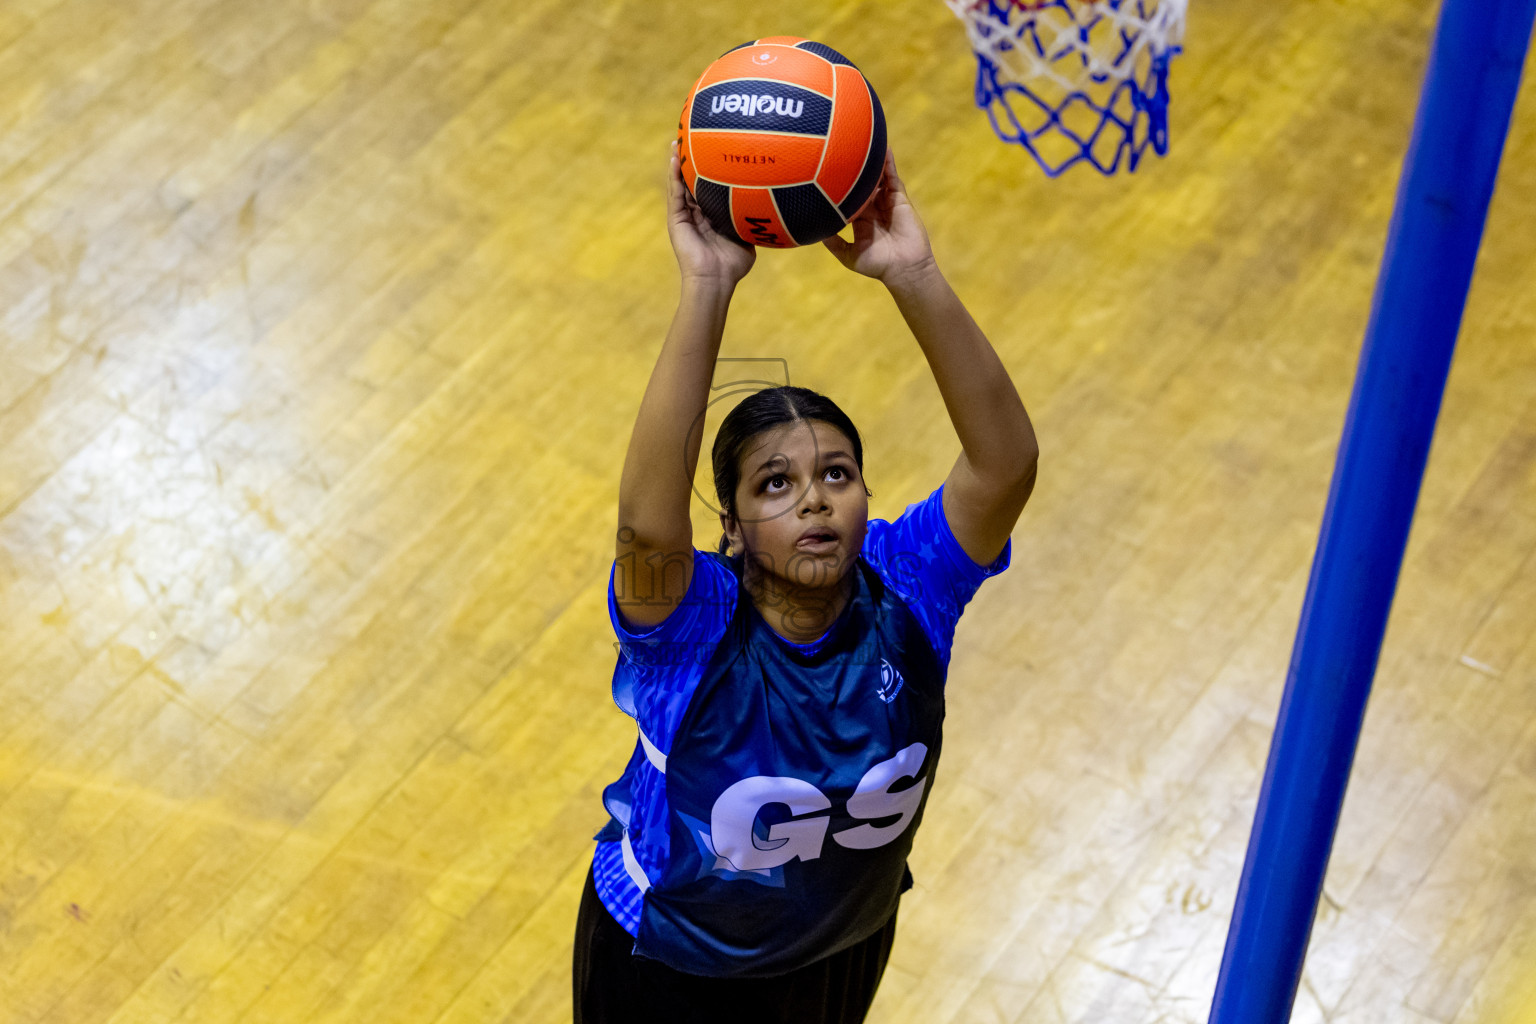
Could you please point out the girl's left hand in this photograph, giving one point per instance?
(889, 241)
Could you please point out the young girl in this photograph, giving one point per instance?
(788, 688)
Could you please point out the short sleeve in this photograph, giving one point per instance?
(919, 557)
(659, 668)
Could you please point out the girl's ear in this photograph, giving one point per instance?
(732, 536)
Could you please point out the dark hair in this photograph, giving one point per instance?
(765, 410)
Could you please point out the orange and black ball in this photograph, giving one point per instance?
(782, 142)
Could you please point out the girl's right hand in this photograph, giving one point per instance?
(702, 253)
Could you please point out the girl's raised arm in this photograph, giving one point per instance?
(654, 548)
(995, 473)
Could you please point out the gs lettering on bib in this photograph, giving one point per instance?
(733, 821)
(796, 782)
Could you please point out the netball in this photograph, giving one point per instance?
(781, 142)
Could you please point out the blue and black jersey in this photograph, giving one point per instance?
(765, 817)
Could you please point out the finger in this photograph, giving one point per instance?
(877, 208)
(675, 190)
(871, 208)
(863, 231)
(838, 247)
(891, 178)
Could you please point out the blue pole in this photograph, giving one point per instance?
(1442, 202)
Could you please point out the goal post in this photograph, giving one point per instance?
(1470, 85)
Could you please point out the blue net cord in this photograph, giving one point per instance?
(1075, 105)
(1147, 124)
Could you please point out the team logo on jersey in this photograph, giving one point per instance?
(890, 681)
(734, 844)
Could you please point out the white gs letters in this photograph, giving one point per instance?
(737, 808)
(874, 799)
(730, 823)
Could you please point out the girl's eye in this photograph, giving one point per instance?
(768, 484)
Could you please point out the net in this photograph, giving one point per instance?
(1075, 81)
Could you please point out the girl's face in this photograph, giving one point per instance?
(800, 504)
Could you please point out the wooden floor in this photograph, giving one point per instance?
(322, 327)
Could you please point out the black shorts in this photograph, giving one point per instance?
(613, 986)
